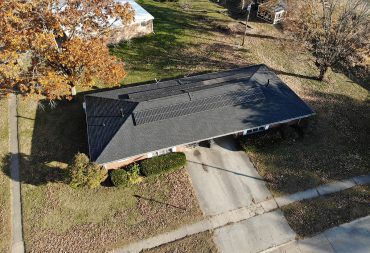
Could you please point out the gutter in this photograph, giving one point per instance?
(214, 137)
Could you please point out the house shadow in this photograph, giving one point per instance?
(228, 143)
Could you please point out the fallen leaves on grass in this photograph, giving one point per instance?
(165, 203)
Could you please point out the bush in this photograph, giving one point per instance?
(134, 174)
(126, 177)
(162, 164)
(119, 178)
(83, 173)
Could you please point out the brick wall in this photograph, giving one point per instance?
(118, 164)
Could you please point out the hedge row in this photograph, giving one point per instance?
(163, 164)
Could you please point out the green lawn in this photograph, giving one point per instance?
(185, 42)
(198, 243)
(313, 216)
(4, 179)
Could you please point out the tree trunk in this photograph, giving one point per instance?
(323, 70)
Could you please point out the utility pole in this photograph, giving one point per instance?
(246, 23)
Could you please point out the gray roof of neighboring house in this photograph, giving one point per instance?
(134, 120)
(281, 6)
(141, 15)
(276, 5)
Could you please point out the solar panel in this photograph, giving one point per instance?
(210, 76)
(229, 99)
(188, 87)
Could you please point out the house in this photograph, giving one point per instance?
(142, 24)
(133, 123)
(272, 11)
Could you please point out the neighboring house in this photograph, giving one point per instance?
(133, 123)
(272, 11)
(142, 24)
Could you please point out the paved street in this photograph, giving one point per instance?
(224, 178)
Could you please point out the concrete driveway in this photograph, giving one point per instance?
(223, 177)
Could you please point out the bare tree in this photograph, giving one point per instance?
(336, 31)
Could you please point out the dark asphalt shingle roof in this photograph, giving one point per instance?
(134, 120)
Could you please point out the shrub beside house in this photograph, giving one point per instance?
(151, 167)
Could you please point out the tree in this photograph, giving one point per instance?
(336, 31)
(49, 46)
(83, 173)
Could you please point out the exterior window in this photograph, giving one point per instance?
(162, 152)
(143, 23)
(254, 130)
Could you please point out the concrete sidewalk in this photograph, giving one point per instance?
(16, 206)
(255, 234)
(263, 229)
(352, 237)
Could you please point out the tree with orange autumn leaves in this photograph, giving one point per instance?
(49, 46)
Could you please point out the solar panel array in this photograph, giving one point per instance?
(188, 87)
(210, 103)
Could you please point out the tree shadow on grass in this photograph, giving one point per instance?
(280, 72)
(172, 48)
(32, 172)
(357, 74)
(58, 134)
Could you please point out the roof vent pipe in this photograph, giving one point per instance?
(268, 82)
(121, 110)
